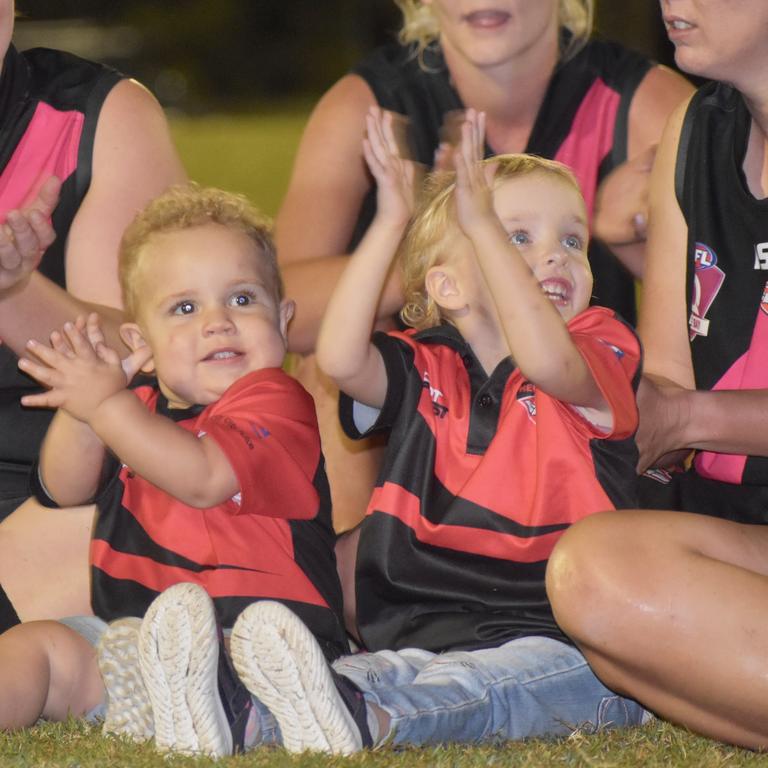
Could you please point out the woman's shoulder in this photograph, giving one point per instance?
(64, 79)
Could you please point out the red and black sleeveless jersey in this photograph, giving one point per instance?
(727, 263)
(583, 122)
(49, 106)
(273, 540)
(481, 477)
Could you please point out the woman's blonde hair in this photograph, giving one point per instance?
(428, 240)
(421, 28)
(184, 207)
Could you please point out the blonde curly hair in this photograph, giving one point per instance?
(186, 206)
(428, 240)
(420, 27)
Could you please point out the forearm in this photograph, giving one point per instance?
(38, 306)
(310, 284)
(344, 347)
(537, 336)
(191, 469)
(727, 421)
(71, 460)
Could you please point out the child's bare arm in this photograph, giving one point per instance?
(71, 456)
(344, 349)
(87, 381)
(536, 334)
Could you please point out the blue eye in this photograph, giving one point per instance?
(519, 238)
(242, 299)
(571, 241)
(184, 308)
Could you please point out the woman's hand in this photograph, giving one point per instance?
(25, 235)
(664, 411)
(621, 205)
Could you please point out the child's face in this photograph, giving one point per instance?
(546, 219)
(207, 311)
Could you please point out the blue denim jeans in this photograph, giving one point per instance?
(533, 686)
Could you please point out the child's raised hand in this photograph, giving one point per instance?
(131, 364)
(396, 176)
(80, 371)
(474, 193)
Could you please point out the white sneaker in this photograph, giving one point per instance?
(129, 712)
(178, 654)
(281, 663)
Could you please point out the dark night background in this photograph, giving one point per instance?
(201, 55)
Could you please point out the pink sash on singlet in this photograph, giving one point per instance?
(591, 138)
(48, 148)
(750, 371)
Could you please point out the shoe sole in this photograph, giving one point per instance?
(280, 662)
(129, 712)
(178, 654)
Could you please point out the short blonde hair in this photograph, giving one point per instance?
(427, 241)
(420, 26)
(184, 207)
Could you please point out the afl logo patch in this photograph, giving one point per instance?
(704, 257)
(764, 300)
(526, 396)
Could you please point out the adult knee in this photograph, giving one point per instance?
(589, 574)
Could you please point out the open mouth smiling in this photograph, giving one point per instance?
(557, 290)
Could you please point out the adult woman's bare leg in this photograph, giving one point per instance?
(670, 608)
(44, 560)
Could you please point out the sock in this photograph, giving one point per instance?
(373, 724)
(8, 616)
(252, 729)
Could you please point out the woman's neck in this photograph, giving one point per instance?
(510, 93)
(756, 158)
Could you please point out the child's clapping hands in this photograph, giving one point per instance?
(79, 369)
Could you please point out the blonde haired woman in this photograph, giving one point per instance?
(545, 88)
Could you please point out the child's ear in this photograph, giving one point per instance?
(133, 338)
(443, 287)
(287, 308)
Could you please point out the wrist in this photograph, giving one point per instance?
(109, 411)
(687, 403)
(390, 222)
(11, 291)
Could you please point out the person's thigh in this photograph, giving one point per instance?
(44, 560)
(668, 608)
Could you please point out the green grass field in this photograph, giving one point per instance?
(75, 745)
(253, 155)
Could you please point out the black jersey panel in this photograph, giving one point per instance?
(429, 598)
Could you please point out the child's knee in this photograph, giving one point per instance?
(74, 682)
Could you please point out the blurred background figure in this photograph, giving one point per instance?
(82, 149)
